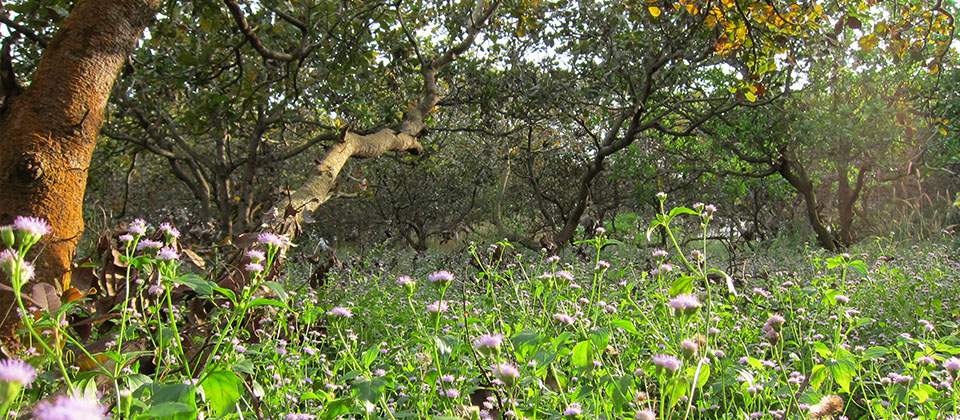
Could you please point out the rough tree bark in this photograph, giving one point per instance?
(48, 132)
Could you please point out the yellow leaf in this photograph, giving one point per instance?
(750, 96)
(654, 10)
(868, 42)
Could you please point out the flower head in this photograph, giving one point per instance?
(573, 410)
(564, 319)
(440, 278)
(658, 253)
(407, 282)
(437, 307)
(666, 362)
(340, 312)
(126, 238)
(137, 227)
(505, 372)
(155, 290)
(169, 230)
(255, 255)
(149, 244)
(253, 267)
(841, 299)
(564, 275)
(32, 226)
(952, 364)
(685, 303)
(645, 415)
(168, 254)
(488, 343)
(272, 240)
(69, 408)
(8, 259)
(18, 371)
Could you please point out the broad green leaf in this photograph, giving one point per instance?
(222, 391)
(582, 354)
(198, 284)
(683, 284)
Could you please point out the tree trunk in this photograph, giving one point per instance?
(47, 133)
(797, 177)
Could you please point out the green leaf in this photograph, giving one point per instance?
(278, 290)
(923, 392)
(842, 372)
(170, 410)
(370, 355)
(676, 211)
(875, 352)
(683, 284)
(227, 293)
(859, 266)
(338, 408)
(822, 350)
(625, 325)
(266, 302)
(581, 356)
(222, 390)
(818, 375)
(370, 390)
(198, 284)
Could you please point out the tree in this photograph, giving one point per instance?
(49, 128)
(242, 127)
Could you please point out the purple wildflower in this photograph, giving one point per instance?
(8, 259)
(137, 227)
(32, 226)
(658, 253)
(564, 319)
(406, 281)
(299, 416)
(685, 303)
(841, 299)
(553, 259)
(149, 244)
(645, 415)
(451, 393)
(18, 371)
(437, 307)
(340, 312)
(952, 364)
(488, 343)
(440, 278)
(255, 255)
(126, 238)
(168, 254)
(564, 275)
(666, 362)
(253, 267)
(69, 408)
(573, 410)
(169, 230)
(505, 372)
(272, 240)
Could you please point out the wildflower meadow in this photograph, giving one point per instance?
(609, 334)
